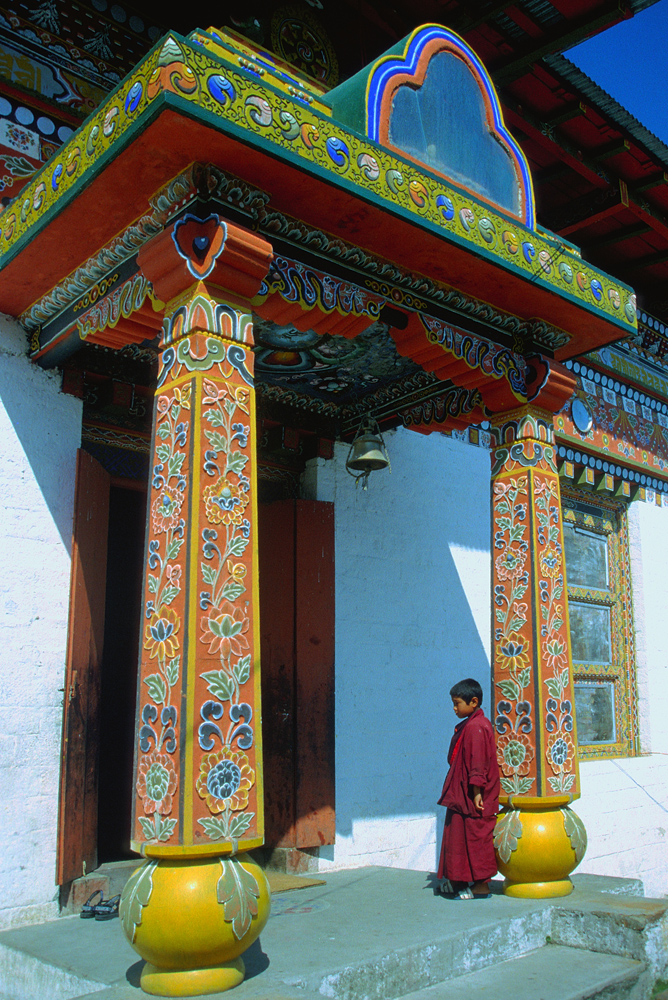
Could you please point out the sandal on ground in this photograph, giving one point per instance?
(467, 894)
(107, 909)
(89, 907)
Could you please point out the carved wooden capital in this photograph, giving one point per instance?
(193, 250)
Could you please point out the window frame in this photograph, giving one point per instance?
(608, 518)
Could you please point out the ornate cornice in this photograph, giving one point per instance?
(213, 90)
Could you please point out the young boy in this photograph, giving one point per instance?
(471, 795)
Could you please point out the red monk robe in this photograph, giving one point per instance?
(467, 850)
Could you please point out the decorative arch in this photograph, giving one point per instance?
(413, 100)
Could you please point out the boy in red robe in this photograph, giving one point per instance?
(471, 795)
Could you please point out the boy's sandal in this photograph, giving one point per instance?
(467, 894)
(88, 908)
(107, 909)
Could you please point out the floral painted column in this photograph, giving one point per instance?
(538, 839)
(199, 901)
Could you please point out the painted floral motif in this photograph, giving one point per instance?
(225, 780)
(510, 563)
(514, 753)
(225, 631)
(166, 509)
(560, 752)
(156, 783)
(225, 502)
(550, 562)
(161, 639)
(513, 656)
(512, 647)
(530, 637)
(157, 774)
(554, 644)
(226, 774)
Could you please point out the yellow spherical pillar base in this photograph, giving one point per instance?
(538, 844)
(192, 982)
(191, 919)
(538, 890)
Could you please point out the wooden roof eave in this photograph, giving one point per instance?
(166, 115)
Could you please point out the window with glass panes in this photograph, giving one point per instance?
(601, 625)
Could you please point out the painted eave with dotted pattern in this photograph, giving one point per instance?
(186, 102)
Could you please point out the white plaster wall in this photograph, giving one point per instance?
(624, 803)
(40, 430)
(412, 617)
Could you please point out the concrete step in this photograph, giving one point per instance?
(553, 972)
(366, 934)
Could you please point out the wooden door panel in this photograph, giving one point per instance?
(77, 813)
(314, 654)
(277, 572)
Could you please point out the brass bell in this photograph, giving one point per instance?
(367, 452)
(366, 455)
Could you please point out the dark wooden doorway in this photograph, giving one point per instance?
(77, 815)
(101, 671)
(296, 562)
(120, 659)
(296, 546)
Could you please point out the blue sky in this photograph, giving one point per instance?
(630, 62)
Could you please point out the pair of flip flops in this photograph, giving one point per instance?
(103, 909)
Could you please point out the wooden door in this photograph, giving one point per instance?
(77, 814)
(296, 561)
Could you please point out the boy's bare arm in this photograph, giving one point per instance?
(477, 797)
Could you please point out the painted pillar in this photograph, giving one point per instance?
(538, 839)
(198, 901)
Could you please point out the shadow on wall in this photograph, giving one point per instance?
(41, 430)
(412, 618)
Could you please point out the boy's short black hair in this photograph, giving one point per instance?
(467, 690)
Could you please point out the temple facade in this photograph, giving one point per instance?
(228, 265)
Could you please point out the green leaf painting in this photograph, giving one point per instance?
(509, 689)
(168, 594)
(242, 670)
(506, 834)
(135, 896)
(232, 590)
(157, 688)
(236, 462)
(554, 687)
(164, 828)
(216, 417)
(219, 684)
(218, 441)
(148, 827)
(172, 671)
(577, 834)
(213, 827)
(175, 463)
(237, 546)
(524, 676)
(239, 824)
(238, 892)
(174, 548)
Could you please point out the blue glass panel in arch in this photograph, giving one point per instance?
(443, 125)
